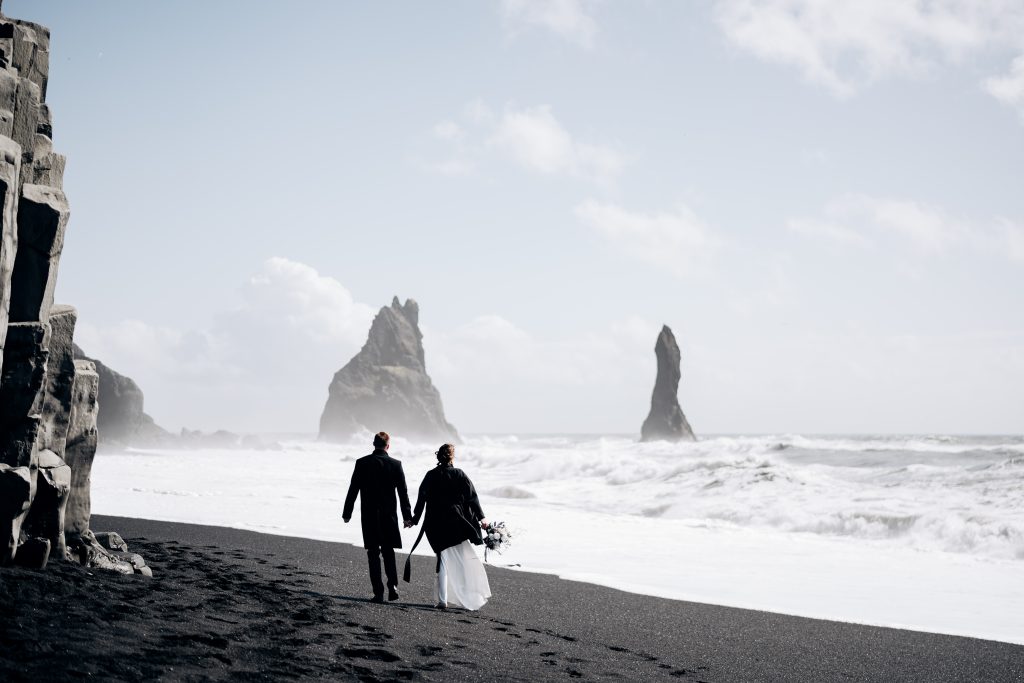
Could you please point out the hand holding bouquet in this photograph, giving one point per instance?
(497, 537)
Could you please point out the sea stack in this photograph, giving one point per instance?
(385, 386)
(666, 421)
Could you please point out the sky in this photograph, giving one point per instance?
(823, 200)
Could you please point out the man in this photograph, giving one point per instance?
(376, 478)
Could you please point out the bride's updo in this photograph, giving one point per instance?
(445, 454)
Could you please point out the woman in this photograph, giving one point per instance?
(453, 523)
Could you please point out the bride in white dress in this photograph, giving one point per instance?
(453, 522)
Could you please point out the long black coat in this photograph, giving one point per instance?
(375, 480)
(453, 508)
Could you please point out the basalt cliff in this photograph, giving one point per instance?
(48, 399)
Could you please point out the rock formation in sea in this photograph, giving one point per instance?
(666, 421)
(385, 386)
(122, 420)
(48, 400)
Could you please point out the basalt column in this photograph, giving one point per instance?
(47, 400)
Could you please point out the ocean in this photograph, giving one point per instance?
(920, 532)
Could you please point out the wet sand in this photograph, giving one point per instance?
(235, 605)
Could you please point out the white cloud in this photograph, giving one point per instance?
(678, 242)
(1009, 89)
(534, 138)
(295, 296)
(568, 19)
(531, 137)
(846, 45)
(263, 364)
(862, 220)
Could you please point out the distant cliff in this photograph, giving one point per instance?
(666, 420)
(122, 419)
(385, 386)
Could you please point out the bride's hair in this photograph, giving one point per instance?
(445, 454)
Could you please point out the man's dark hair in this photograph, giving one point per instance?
(381, 440)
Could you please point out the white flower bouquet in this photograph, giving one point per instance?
(497, 537)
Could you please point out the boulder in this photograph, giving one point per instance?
(46, 516)
(666, 420)
(80, 447)
(42, 218)
(15, 499)
(111, 540)
(86, 550)
(386, 386)
(33, 553)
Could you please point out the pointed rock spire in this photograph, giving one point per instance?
(666, 420)
(386, 386)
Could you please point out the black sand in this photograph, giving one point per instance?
(236, 605)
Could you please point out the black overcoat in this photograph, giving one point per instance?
(375, 479)
(453, 508)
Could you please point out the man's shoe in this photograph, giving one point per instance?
(377, 598)
(441, 605)
(393, 594)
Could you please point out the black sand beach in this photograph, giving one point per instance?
(237, 605)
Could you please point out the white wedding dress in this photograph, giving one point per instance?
(461, 580)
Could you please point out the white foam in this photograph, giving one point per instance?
(931, 540)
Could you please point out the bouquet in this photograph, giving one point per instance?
(497, 537)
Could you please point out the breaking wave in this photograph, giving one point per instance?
(937, 493)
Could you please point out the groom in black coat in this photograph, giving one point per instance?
(375, 479)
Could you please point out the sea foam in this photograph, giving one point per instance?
(925, 532)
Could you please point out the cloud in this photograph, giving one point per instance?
(263, 364)
(678, 242)
(295, 298)
(862, 220)
(1009, 89)
(534, 138)
(569, 19)
(531, 137)
(844, 46)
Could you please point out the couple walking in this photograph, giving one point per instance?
(452, 525)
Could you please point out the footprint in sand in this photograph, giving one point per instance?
(374, 653)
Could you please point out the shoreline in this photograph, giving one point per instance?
(602, 581)
(227, 603)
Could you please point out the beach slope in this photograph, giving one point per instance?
(227, 604)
